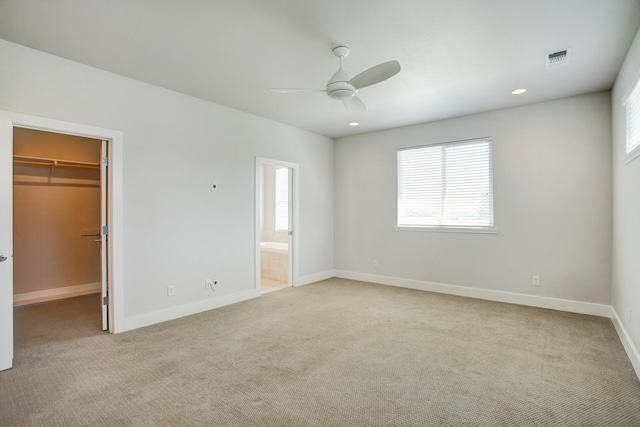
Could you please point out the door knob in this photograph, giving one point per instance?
(2, 257)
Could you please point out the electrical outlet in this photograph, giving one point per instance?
(171, 291)
(536, 281)
(376, 263)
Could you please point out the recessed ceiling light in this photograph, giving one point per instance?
(354, 124)
(518, 91)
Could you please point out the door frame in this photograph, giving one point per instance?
(6, 244)
(293, 217)
(115, 253)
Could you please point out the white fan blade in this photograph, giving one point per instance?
(355, 104)
(377, 74)
(286, 90)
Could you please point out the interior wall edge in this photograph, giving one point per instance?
(627, 343)
(316, 277)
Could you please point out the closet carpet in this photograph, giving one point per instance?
(335, 353)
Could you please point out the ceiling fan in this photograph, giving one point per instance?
(343, 88)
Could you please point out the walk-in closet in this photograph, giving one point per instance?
(57, 230)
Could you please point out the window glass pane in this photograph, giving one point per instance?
(633, 118)
(446, 185)
(421, 187)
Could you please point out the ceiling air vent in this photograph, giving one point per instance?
(557, 59)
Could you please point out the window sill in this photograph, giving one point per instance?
(481, 230)
(632, 155)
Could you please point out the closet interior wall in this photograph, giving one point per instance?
(56, 216)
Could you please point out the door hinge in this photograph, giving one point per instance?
(105, 230)
(105, 161)
(105, 300)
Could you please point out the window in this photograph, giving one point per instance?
(446, 186)
(633, 118)
(282, 198)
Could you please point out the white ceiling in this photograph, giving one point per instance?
(458, 56)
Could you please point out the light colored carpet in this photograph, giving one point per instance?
(335, 353)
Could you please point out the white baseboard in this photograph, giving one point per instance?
(171, 313)
(632, 351)
(312, 278)
(54, 294)
(580, 307)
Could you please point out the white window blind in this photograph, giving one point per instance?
(446, 185)
(633, 118)
(282, 198)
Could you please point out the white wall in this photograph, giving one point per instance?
(177, 230)
(552, 174)
(626, 207)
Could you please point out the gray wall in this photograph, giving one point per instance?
(626, 206)
(177, 231)
(552, 175)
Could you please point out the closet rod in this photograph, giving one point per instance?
(44, 161)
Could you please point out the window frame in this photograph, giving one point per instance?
(492, 229)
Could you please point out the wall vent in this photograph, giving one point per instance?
(557, 59)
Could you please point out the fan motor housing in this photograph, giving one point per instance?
(340, 90)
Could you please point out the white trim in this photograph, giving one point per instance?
(116, 230)
(632, 351)
(631, 155)
(54, 294)
(316, 277)
(571, 306)
(458, 141)
(481, 230)
(176, 312)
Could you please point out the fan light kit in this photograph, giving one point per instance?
(343, 88)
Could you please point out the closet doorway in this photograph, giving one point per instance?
(59, 220)
(111, 183)
(276, 216)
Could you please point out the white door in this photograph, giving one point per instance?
(104, 235)
(290, 224)
(283, 209)
(284, 217)
(6, 243)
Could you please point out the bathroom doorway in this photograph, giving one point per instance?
(275, 228)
